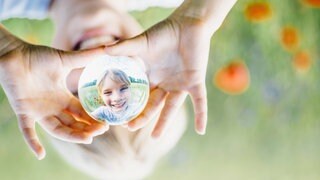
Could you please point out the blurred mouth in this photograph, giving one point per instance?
(94, 38)
(118, 106)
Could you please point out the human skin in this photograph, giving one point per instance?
(176, 52)
(188, 29)
(113, 152)
(89, 24)
(34, 81)
(115, 95)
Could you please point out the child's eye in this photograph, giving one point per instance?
(124, 88)
(108, 93)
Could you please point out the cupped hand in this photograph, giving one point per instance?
(34, 80)
(175, 52)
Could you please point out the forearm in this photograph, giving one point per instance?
(209, 12)
(8, 42)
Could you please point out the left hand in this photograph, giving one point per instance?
(175, 52)
(34, 80)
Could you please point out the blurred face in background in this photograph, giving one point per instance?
(117, 154)
(83, 24)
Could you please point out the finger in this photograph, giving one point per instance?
(27, 127)
(172, 105)
(136, 46)
(78, 59)
(154, 105)
(60, 131)
(94, 128)
(75, 109)
(125, 125)
(199, 100)
(130, 28)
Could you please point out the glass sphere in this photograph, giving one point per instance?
(114, 89)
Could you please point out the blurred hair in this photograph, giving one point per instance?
(121, 154)
(115, 75)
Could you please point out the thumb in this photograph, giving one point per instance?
(27, 127)
(78, 59)
(136, 46)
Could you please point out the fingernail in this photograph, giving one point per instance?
(202, 132)
(104, 129)
(89, 141)
(41, 156)
(131, 126)
(107, 127)
(155, 135)
(99, 132)
(125, 125)
(131, 129)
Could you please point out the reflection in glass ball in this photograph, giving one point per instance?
(114, 89)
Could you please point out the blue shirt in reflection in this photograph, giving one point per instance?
(103, 113)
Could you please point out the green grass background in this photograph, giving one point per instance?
(272, 131)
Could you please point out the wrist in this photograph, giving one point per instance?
(10, 54)
(208, 13)
(8, 43)
(189, 22)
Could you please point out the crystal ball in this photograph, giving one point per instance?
(114, 89)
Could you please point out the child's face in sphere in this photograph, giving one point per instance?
(115, 95)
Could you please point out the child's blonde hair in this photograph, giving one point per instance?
(121, 154)
(116, 75)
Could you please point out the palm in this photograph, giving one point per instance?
(40, 86)
(34, 82)
(176, 58)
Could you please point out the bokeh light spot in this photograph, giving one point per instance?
(302, 61)
(289, 38)
(233, 78)
(258, 11)
(313, 3)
